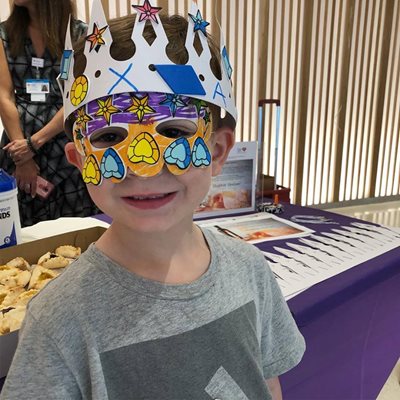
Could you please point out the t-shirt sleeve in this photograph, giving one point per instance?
(282, 345)
(38, 370)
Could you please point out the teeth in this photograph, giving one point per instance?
(157, 196)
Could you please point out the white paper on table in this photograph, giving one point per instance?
(330, 243)
(299, 272)
(286, 263)
(57, 226)
(318, 254)
(305, 259)
(376, 237)
(362, 241)
(382, 230)
(345, 247)
(256, 228)
(354, 245)
(289, 286)
(331, 250)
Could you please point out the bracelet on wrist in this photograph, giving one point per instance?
(30, 146)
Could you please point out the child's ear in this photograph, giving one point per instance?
(73, 155)
(222, 141)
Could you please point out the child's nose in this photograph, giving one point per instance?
(132, 174)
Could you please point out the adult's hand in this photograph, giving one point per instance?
(26, 175)
(19, 151)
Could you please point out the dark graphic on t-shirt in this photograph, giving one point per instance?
(216, 359)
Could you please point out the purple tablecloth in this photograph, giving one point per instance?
(351, 323)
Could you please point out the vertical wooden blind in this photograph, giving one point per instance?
(334, 65)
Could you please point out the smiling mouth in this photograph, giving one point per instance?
(150, 201)
(149, 197)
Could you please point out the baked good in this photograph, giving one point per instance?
(54, 261)
(11, 320)
(40, 277)
(68, 251)
(20, 263)
(23, 298)
(9, 296)
(20, 281)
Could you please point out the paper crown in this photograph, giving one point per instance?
(149, 69)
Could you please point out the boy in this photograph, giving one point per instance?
(156, 308)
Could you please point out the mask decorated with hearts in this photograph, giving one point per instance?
(141, 132)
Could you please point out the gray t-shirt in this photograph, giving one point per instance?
(101, 332)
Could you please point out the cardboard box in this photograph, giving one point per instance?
(31, 251)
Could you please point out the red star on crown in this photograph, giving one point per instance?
(96, 37)
(147, 11)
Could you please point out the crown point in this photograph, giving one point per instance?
(199, 23)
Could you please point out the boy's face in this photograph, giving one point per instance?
(166, 154)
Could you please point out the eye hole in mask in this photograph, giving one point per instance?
(108, 136)
(177, 128)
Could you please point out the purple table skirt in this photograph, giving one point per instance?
(351, 323)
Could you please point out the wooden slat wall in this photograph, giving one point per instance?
(334, 65)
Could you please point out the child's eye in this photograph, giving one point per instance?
(174, 133)
(176, 128)
(107, 137)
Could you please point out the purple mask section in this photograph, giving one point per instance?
(124, 100)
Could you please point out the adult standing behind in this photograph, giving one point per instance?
(33, 144)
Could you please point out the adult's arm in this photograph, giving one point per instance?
(8, 110)
(25, 173)
(19, 148)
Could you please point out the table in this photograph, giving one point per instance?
(351, 323)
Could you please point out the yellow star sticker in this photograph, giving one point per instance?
(82, 118)
(140, 107)
(106, 109)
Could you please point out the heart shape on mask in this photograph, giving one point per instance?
(178, 153)
(144, 149)
(201, 156)
(91, 171)
(111, 165)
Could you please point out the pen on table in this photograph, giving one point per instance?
(228, 232)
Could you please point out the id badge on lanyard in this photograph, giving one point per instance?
(37, 88)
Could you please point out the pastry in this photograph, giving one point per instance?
(23, 298)
(68, 251)
(20, 279)
(9, 296)
(40, 277)
(52, 260)
(20, 263)
(12, 320)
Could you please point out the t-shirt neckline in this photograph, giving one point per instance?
(151, 288)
